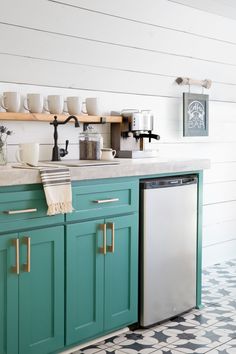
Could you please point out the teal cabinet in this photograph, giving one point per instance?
(68, 278)
(20, 209)
(32, 302)
(102, 276)
(41, 291)
(8, 295)
(84, 274)
(121, 272)
(104, 199)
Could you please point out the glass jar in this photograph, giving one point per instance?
(90, 145)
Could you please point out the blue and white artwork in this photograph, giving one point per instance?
(195, 114)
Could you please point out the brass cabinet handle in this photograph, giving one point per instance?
(103, 201)
(16, 268)
(11, 212)
(112, 247)
(104, 248)
(26, 266)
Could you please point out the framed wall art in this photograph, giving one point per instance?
(196, 114)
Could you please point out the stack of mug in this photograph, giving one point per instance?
(54, 104)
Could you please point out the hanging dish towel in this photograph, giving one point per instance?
(57, 188)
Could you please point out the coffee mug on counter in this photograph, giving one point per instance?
(74, 105)
(10, 101)
(34, 103)
(28, 153)
(93, 106)
(55, 104)
(107, 154)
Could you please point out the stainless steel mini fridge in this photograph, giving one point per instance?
(168, 247)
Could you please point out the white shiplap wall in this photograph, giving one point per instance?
(129, 53)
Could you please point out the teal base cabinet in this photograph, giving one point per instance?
(41, 291)
(59, 289)
(32, 301)
(9, 291)
(102, 276)
(121, 273)
(84, 277)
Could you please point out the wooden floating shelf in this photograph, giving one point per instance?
(42, 117)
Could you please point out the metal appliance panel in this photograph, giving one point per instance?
(142, 121)
(169, 252)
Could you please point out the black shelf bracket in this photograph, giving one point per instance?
(103, 120)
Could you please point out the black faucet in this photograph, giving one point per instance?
(57, 153)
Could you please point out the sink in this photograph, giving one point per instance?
(80, 163)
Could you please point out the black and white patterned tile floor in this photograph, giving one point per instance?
(211, 330)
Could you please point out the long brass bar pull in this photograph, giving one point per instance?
(21, 211)
(26, 266)
(111, 248)
(103, 201)
(104, 248)
(16, 268)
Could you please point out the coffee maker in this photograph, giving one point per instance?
(127, 137)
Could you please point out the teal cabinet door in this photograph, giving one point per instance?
(8, 295)
(121, 272)
(41, 291)
(84, 281)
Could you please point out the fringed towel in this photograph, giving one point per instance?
(57, 188)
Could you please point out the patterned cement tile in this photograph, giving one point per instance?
(202, 341)
(227, 348)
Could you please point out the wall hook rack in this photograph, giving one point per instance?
(188, 81)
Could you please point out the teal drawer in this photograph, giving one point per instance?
(102, 200)
(23, 209)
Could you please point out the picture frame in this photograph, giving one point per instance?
(195, 114)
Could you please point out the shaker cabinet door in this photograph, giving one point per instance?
(41, 291)
(121, 272)
(84, 276)
(8, 295)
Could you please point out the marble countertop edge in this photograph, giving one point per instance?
(126, 168)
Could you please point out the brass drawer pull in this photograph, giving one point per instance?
(16, 268)
(26, 266)
(112, 247)
(104, 248)
(103, 201)
(11, 212)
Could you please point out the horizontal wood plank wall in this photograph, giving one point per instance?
(129, 53)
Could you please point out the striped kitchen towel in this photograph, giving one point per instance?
(57, 188)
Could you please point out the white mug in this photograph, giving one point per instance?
(55, 104)
(10, 101)
(107, 154)
(74, 105)
(28, 153)
(93, 106)
(34, 103)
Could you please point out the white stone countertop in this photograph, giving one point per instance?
(10, 176)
